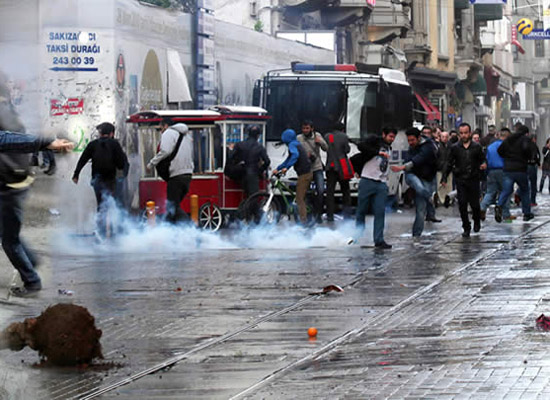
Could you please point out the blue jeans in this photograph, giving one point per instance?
(423, 194)
(23, 260)
(521, 179)
(375, 192)
(495, 185)
(319, 182)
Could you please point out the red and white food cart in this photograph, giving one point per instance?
(215, 132)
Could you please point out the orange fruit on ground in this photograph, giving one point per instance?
(312, 332)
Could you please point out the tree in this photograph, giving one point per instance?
(188, 6)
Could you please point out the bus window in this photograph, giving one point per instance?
(370, 115)
(291, 102)
(356, 98)
(404, 106)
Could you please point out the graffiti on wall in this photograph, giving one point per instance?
(70, 106)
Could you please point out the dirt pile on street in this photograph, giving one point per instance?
(64, 334)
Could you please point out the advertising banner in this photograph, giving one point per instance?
(546, 14)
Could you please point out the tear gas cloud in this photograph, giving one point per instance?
(137, 236)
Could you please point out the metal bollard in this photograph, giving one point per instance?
(151, 213)
(195, 208)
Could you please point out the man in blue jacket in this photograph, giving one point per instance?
(420, 169)
(297, 158)
(495, 176)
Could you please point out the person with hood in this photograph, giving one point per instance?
(175, 138)
(516, 152)
(107, 156)
(255, 160)
(16, 148)
(313, 143)
(420, 171)
(297, 158)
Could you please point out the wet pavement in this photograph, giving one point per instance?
(222, 316)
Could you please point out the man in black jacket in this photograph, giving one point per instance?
(516, 151)
(107, 156)
(372, 187)
(420, 170)
(255, 159)
(466, 160)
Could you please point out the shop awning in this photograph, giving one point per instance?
(479, 87)
(178, 87)
(488, 12)
(492, 78)
(432, 112)
(432, 78)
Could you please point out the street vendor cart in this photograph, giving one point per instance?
(215, 131)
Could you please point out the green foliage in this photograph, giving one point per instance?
(259, 26)
(160, 3)
(188, 6)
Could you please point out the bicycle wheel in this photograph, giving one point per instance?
(254, 209)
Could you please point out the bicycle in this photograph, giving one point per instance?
(271, 205)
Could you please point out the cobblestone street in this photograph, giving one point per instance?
(443, 317)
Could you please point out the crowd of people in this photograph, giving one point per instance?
(481, 170)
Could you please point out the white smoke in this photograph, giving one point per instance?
(134, 234)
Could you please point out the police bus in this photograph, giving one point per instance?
(363, 98)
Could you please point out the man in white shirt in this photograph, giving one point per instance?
(373, 187)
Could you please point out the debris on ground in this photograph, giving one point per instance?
(543, 322)
(329, 288)
(65, 292)
(64, 334)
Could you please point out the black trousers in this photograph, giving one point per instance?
(176, 189)
(103, 189)
(468, 193)
(250, 183)
(332, 178)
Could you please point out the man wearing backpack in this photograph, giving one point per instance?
(176, 144)
(107, 156)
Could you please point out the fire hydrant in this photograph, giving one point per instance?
(151, 213)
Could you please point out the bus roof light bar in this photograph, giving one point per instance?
(301, 67)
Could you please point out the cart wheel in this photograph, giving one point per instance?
(253, 209)
(210, 217)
